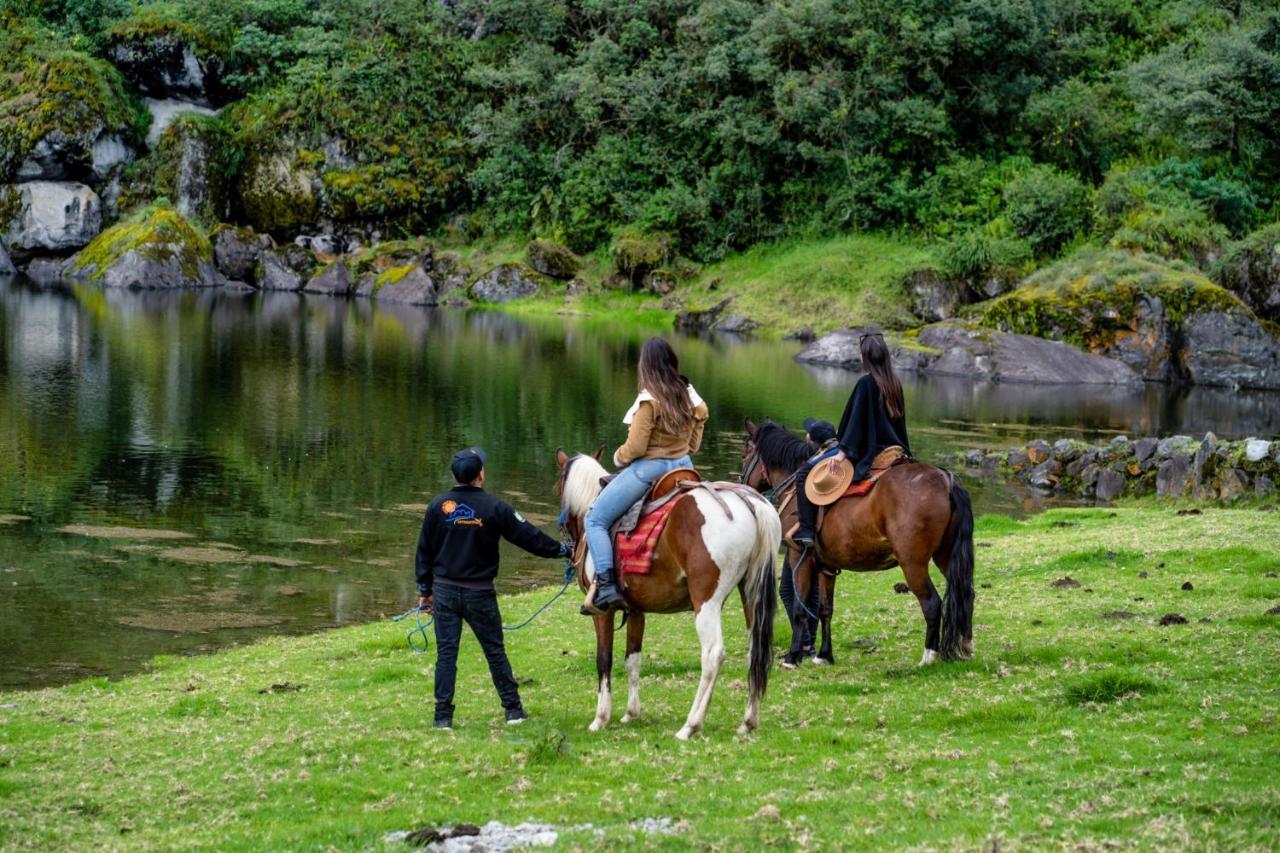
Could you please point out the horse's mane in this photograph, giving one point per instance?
(582, 483)
(779, 447)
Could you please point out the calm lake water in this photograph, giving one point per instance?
(181, 471)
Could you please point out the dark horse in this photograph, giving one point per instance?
(915, 513)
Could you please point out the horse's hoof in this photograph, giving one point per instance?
(684, 734)
(596, 725)
(628, 717)
(929, 659)
(788, 664)
(746, 729)
(816, 661)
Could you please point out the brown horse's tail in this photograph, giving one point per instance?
(957, 606)
(760, 592)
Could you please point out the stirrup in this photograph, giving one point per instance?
(589, 607)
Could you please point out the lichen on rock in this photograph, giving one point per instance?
(155, 248)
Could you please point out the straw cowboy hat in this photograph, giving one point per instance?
(828, 481)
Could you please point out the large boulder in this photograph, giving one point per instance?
(1129, 306)
(236, 251)
(1174, 477)
(157, 248)
(450, 273)
(48, 272)
(505, 283)
(64, 114)
(552, 259)
(279, 192)
(955, 349)
(1251, 270)
(406, 285)
(286, 267)
(190, 168)
(637, 255)
(935, 296)
(48, 216)
(162, 59)
(334, 280)
(1230, 348)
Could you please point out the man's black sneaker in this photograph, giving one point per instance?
(516, 717)
(446, 725)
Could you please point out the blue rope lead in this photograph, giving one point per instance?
(420, 627)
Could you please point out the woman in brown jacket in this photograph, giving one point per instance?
(664, 426)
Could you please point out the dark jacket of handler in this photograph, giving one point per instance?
(456, 563)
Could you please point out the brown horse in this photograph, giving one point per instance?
(915, 513)
(713, 542)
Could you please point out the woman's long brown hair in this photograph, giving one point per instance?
(876, 361)
(660, 376)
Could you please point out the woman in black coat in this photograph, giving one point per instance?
(874, 419)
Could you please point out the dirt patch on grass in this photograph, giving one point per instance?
(1119, 614)
(1173, 619)
(1066, 582)
(200, 555)
(104, 532)
(284, 562)
(315, 542)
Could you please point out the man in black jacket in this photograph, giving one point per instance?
(456, 563)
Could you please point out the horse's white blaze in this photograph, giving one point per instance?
(633, 687)
(604, 707)
(930, 657)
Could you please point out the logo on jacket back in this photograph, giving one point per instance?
(456, 513)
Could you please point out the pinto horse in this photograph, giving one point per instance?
(717, 537)
(915, 513)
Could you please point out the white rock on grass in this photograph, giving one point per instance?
(1256, 449)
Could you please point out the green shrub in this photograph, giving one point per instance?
(1047, 207)
(982, 250)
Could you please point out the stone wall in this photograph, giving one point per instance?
(1178, 466)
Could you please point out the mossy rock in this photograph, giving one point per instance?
(392, 254)
(637, 255)
(165, 56)
(57, 104)
(155, 248)
(1091, 297)
(1251, 270)
(552, 259)
(190, 165)
(507, 282)
(278, 193)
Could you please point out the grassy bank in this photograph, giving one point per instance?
(1082, 721)
(825, 284)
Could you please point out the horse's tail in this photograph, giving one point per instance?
(760, 592)
(957, 606)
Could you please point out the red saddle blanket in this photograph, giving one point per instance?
(887, 459)
(635, 549)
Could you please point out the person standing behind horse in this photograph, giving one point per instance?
(874, 419)
(456, 563)
(664, 426)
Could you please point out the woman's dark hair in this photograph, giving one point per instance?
(660, 376)
(875, 360)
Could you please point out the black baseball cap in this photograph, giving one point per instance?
(819, 430)
(467, 464)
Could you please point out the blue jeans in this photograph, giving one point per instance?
(623, 491)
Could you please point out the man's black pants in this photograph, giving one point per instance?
(451, 606)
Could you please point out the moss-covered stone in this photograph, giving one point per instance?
(278, 194)
(637, 255)
(391, 254)
(1251, 270)
(157, 247)
(60, 101)
(552, 259)
(1096, 295)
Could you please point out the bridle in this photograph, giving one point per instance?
(755, 460)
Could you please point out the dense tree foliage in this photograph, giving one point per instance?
(990, 123)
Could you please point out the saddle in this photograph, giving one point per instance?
(888, 458)
(663, 487)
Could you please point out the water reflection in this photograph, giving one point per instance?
(291, 440)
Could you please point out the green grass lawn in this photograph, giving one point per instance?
(1074, 726)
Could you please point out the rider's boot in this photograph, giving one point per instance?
(808, 513)
(607, 596)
